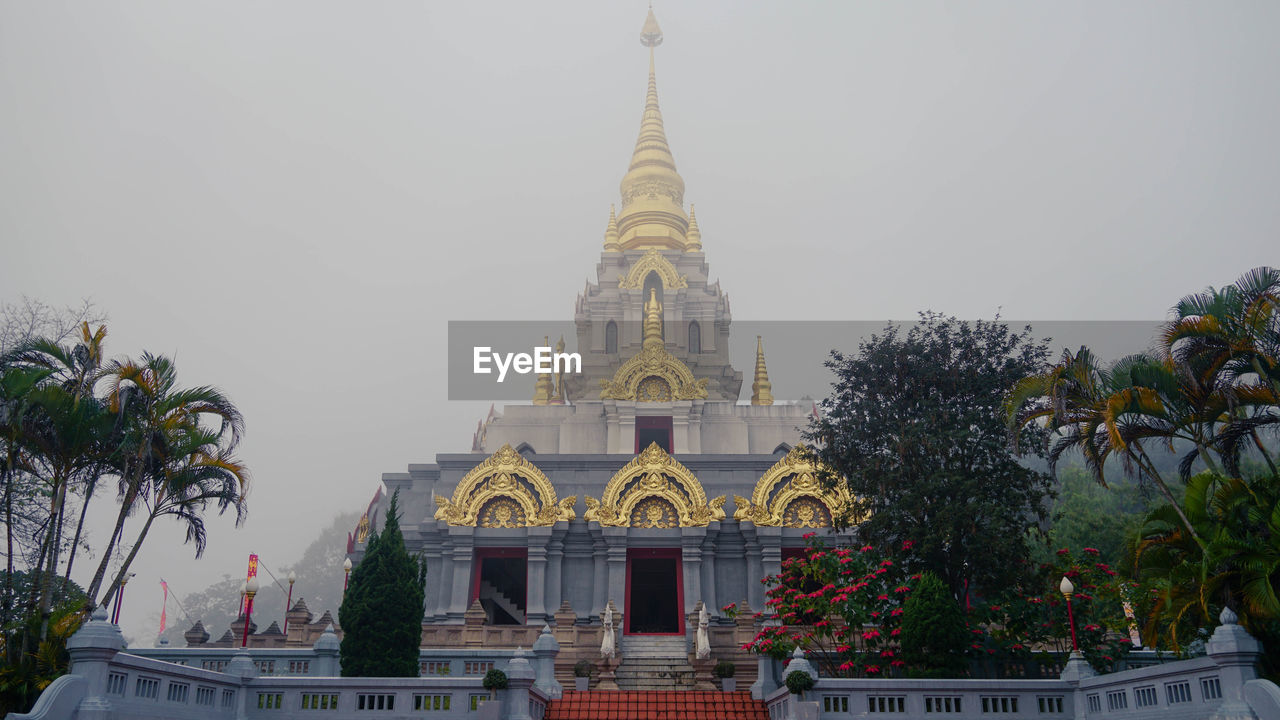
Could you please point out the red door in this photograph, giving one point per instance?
(655, 592)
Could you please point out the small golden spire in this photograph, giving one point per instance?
(695, 235)
(557, 398)
(652, 320)
(542, 389)
(611, 234)
(761, 389)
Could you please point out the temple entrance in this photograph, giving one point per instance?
(500, 582)
(655, 592)
(652, 429)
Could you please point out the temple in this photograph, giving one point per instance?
(646, 483)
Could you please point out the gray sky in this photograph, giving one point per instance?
(294, 197)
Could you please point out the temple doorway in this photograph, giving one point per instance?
(653, 429)
(500, 582)
(655, 592)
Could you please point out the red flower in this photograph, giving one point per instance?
(908, 544)
(1064, 551)
(872, 669)
(1092, 551)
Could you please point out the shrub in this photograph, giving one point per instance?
(934, 638)
(724, 669)
(583, 668)
(495, 680)
(798, 682)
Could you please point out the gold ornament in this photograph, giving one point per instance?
(653, 367)
(782, 495)
(653, 475)
(508, 475)
(653, 261)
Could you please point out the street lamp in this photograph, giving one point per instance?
(346, 567)
(115, 616)
(288, 603)
(1067, 590)
(250, 589)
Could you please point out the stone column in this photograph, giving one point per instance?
(520, 677)
(755, 565)
(431, 605)
(545, 649)
(555, 565)
(765, 682)
(770, 553)
(91, 649)
(1236, 652)
(616, 541)
(691, 565)
(241, 666)
(709, 599)
(462, 559)
(600, 570)
(536, 582)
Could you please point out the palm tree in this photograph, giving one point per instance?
(16, 385)
(156, 417)
(1102, 412)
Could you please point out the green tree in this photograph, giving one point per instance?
(934, 637)
(381, 613)
(914, 427)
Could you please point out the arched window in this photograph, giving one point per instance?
(695, 338)
(611, 338)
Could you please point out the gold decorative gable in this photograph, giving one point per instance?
(653, 375)
(653, 261)
(790, 495)
(505, 490)
(654, 491)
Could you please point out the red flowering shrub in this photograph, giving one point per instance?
(841, 605)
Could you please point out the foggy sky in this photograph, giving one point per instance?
(293, 198)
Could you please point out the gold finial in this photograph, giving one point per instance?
(650, 34)
(542, 387)
(611, 234)
(652, 191)
(652, 320)
(695, 235)
(761, 389)
(558, 397)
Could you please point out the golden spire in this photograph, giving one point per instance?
(695, 235)
(542, 389)
(652, 320)
(557, 398)
(761, 389)
(611, 234)
(652, 191)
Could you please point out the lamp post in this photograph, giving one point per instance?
(250, 589)
(288, 603)
(1068, 590)
(115, 616)
(346, 568)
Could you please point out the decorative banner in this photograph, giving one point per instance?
(251, 573)
(163, 607)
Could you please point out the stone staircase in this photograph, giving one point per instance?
(654, 663)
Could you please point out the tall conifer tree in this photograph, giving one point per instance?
(381, 612)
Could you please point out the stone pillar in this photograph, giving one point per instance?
(327, 661)
(798, 708)
(691, 563)
(616, 541)
(1077, 669)
(555, 565)
(520, 677)
(766, 682)
(709, 599)
(545, 649)
(536, 602)
(755, 566)
(462, 560)
(600, 574)
(91, 649)
(770, 554)
(1236, 652)
(431, 552)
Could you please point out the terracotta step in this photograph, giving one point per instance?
(639, 705)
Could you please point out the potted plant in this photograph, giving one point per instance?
(725, 671)
(494, 680)
(582, 675)
(798, 682)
